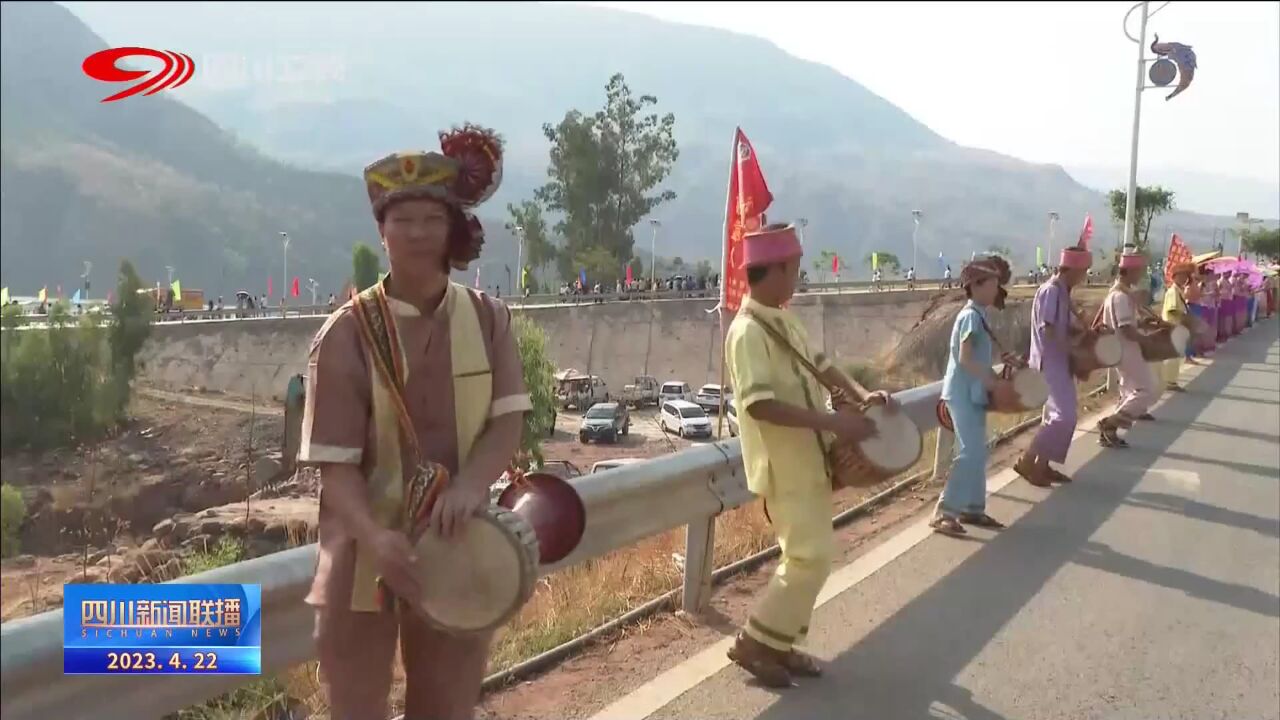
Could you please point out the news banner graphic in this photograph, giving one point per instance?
(167, 629)
(178, 69)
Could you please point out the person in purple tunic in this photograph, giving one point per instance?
(1051, 324)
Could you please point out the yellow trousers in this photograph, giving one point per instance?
(1170, 369)
(801, 516)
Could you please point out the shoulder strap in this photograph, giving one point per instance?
(994, 339)
(382, 344)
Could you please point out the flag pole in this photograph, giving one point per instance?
(734, 171)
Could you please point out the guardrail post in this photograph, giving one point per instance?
(942, 453)
(699, 555)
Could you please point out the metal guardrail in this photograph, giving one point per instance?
(689, 488)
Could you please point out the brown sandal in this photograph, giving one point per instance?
(1060, 477)
(802, 664)
(766, 665)
(1028, 473)
(981, 520)
(944, 525)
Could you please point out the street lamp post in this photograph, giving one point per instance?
(1053, 227)
(284, 286)
(915, 217)
(803, 223)
(1131, 196)
(519, 255)
(653, 255)
(312, 282)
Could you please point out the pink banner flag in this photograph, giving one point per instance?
(1086, 233)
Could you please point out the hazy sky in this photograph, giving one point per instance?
(1043, 81)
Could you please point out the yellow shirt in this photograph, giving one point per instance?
(760, 369)
(1175, 308)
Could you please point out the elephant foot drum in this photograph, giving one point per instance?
(1019, 390)
(1093, 351)
(896, 446)
(478, 582)
(1164, 344)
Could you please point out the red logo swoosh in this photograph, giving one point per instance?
(178, 69)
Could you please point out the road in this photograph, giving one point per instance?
(1150, 588)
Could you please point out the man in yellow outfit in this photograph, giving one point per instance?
(1175, 312)
(785, 430)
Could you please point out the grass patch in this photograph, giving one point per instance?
(224, 552)
(12, 512)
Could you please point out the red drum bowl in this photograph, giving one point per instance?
(552, 508)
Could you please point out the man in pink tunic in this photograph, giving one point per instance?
(1051, 321)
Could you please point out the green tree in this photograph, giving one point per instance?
(539, 379)
(12, 511)
(890, 265)
(1001, 250)
(604, 172)
(131, 315)
(1263, 243)
(704, 269)
(1150, 203)
(601, 266)
(365, 266)
(539, 250)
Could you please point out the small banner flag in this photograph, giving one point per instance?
(296, 287)
(524, 277)
(111, 297)
(629, 280)
(269, 288)
(582, 277)
(1086, 233)
(1039, 256)
(43, 295)
(177, 289)
(835, 264)
(1179, 254)
(59, 292)
(875, 261)
(942, 261)
(75, 299)
(4, 296)
(747, 199)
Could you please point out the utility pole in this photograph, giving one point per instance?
(1053, 226)
(653, 254)
(284, 286)
(1131, 195)
(915, 217)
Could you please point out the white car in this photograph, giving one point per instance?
(708, 397)
(731, 414)
(675, 390)
(684, 419)
(614, 463)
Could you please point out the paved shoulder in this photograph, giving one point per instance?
(1150, 588)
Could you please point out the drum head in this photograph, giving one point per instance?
(475, 583)
(897, 445)
(1108, 350)
(1033, 390)
(1179, 336)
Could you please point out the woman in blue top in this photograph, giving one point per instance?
(965, 389)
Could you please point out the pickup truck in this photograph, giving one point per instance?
(642, 391)
(580, 391)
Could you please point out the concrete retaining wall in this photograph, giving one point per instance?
(675, 339)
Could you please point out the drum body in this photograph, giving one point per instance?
(1164, 344)
(1019, 391)
(479, 582)
(552, 508)
(1093, 351)
(896, 446)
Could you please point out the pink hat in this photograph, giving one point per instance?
(772, 244)
(1076, 258)
(1132, 261)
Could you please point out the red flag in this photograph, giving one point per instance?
(748, 198)
(835, 264)
(1179, 253)
(296, 290)
(1086, 233)
(111, 298)
(269, 286)
(628, 274)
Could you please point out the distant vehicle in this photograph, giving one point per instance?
(731, 415)
(581, 391)
(708, 397)
(605, 421)
(614, 463)
(675, 390)
(684, 419)
(643, 390)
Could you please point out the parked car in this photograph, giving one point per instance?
(581, 391)
(684, 419)
(614, 463)
(675, 390)
(605, 421)
(642, 391)
(731, 415)
(708, 397)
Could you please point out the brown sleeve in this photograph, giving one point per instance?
(509, 393)
(336, 416)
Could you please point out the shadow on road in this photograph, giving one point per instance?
(1197, 510)
(906, 667)
(1231, 432)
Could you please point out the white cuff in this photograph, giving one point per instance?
(510, 404)
(316, 453)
